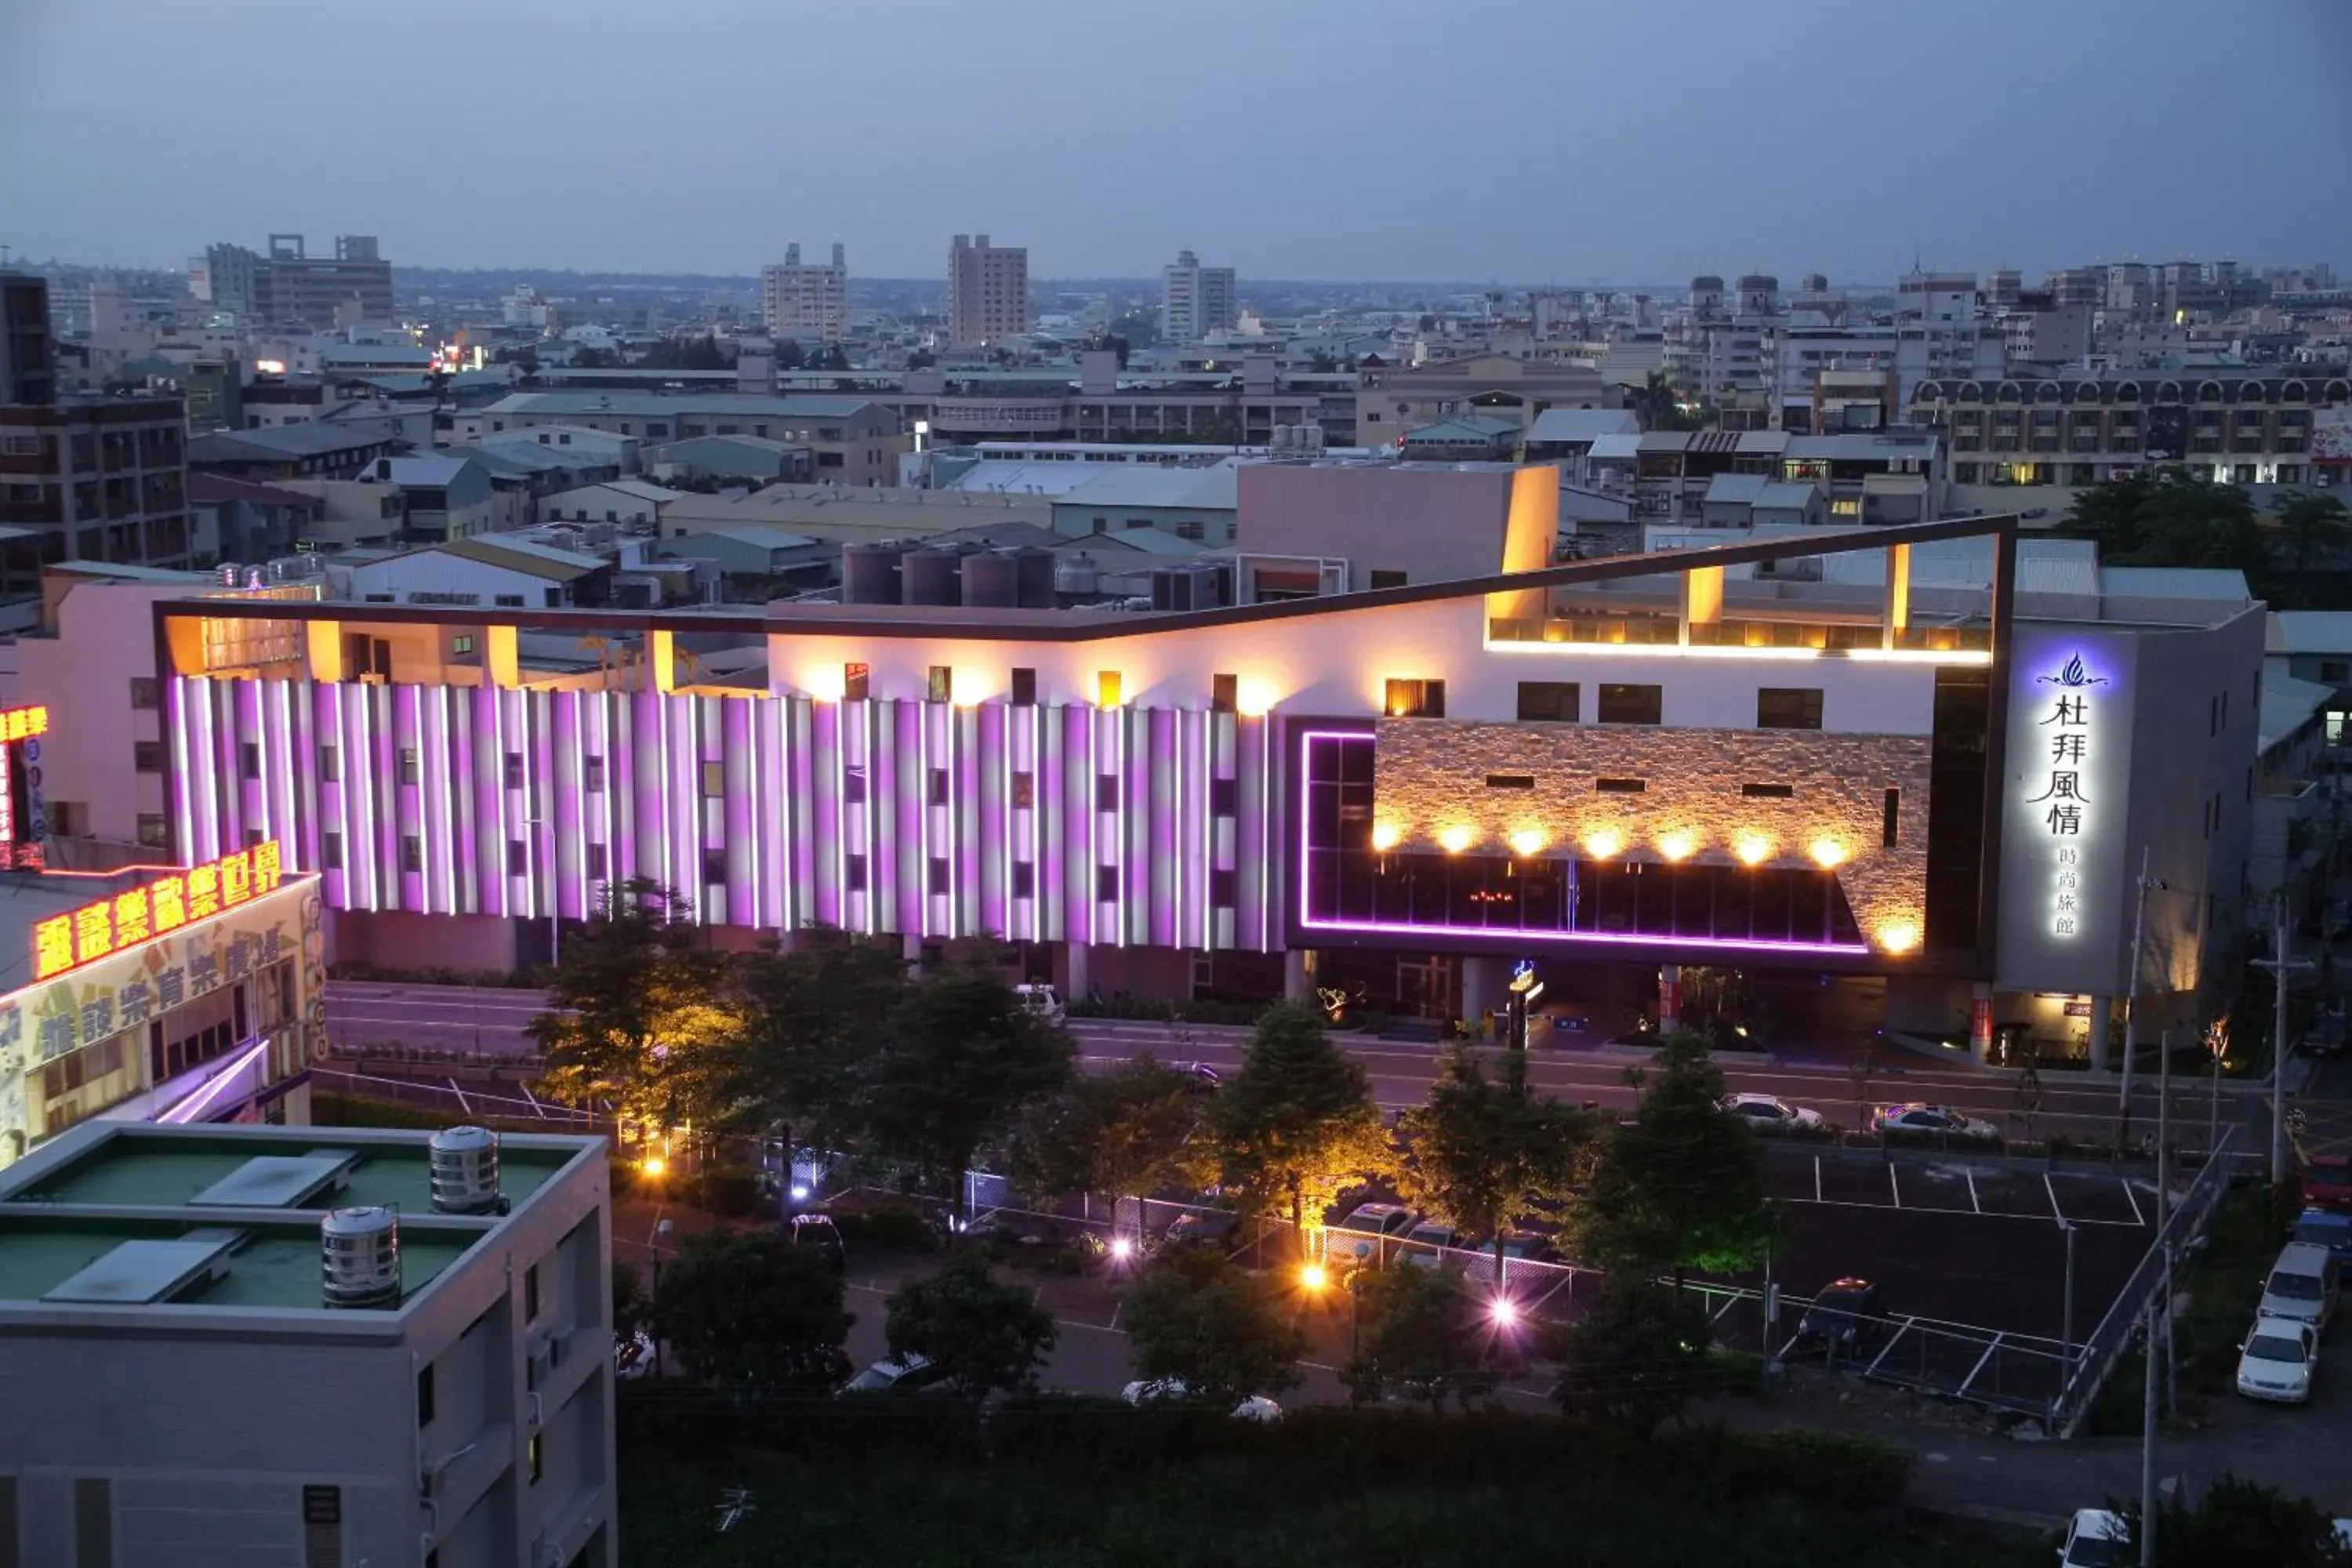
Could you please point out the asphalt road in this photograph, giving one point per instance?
(460, 1019)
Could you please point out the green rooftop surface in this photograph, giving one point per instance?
(162, 1171)
(278, 1266)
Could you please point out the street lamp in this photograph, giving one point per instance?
(662, 1229)
(1314, 1277)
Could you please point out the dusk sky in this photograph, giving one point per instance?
(1514, 140)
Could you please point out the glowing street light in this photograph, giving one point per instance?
(1314, 1277)
(1504, 1311)
(1122, 1247)
(656, 1165)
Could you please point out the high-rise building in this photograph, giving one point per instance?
(809, 302)
(26, 373)
(988, 292)
(291, 287)
(1194, 301)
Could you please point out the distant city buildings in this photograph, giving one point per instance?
(26, 370)
(808, 302)
(988, 292)
(290, 287)
(1195, 301)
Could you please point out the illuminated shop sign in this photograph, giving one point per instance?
(2064, 810)
(111, 925)
(23, 814)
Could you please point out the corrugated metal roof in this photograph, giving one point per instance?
(1666, 441)
(2311, 631)
(641, 405)
(1714, 441)
(1732, 489)
(1765, 442)
(1624, 444)
(1581, 424)
(2174, 583)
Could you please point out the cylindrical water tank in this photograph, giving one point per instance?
(1078, 574)
(992, 580)
(359, 1257)
(465, 1162)
(869, 573)
(931, 577)
(1036, 567)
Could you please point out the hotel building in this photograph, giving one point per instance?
(1720, 757)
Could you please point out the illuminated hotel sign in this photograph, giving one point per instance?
(2063, 808)
(23, 814)
(110, 925)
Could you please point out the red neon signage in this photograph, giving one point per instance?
(108, 925)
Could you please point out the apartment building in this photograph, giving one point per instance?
(852, 440)
(260, 1344)
(98, 478)
(27, 372)
(988, 292)
(1195, 301)
(289, 288)
(1394, 399)
(806, 301)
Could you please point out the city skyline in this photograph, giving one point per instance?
(1947, 148)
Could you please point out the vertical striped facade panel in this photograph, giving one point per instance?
(1042, 823)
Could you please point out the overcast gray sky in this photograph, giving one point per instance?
(1519, 140)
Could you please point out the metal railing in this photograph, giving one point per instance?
(2182, 1231)
(447, 1094)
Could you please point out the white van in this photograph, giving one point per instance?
(1041, 999)
(2302, 1285)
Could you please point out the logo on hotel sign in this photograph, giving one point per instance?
(2065, 796)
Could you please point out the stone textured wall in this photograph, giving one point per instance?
(1431, 777)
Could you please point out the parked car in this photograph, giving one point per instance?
(633, 1355)
(1843, 1318)
(1202, 1075)
(1379, 1219)
(820, 1235)
(2323, 1227)
(2327, 1182)
(1936, 1118)
(1199, 1228)
(916, 1375)
(2277, 1359)
(1252, 1407)
(1768, 1113)
(1042, 999)
(2323, 1040)
(2302, 1285)
(2098, 1538)
(1424, 1243)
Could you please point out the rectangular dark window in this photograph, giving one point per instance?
(1548, 702)
(1891, 824)
(1025, 687)
(145, 692)
(1388, 579)
(408, 770)
(93, 1506)
(596, 863)
(531, 1294)
(941, 685)
(514, 770)
(852, 783)
(714, 867)
(1106, 792)
(152, 831)
(331, 764)
(147, 756)
(1620, 786)
(938, 793)
(518, 857)
(1789, 708)
(1024, 790)
(1510, 781)
(424, 1394)
(853, 680)
(1106, 884)
(1768, 791)
(1416, 700)
(1623, 704)
(853, 873)
(938, 880)
(248, 759)
(330, 850)
(1224, 693)
(1024, 880)
(591, 774)
(1224, 797)
(714, 780)
(534, 1455)
(412, 853)
(1224, 889)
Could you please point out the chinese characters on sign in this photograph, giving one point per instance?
(21, 729)
(2065, 802)
(23, 723)
(124, 920)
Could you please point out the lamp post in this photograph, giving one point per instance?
(661, 1238)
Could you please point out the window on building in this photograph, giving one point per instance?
(411, 852)
(852, 783)
(408, 770)
(1769, 791)
(1107, 688)
(855, 680)
(461, 646)
(1890, 827)
(1106, 792)
(853, 873)
(940, 685)
(1620, 786)
(1024, 880)
(1510, 781)
(424, 1394)
(330, 849)
(513, 771)
(2335, 671)
(714, 779)
(1025, 687)
(1548, 702)
(1388, 579)
(936, 877)
(508, 601)
(1224, 693)
(147, 756)
(1789, 708)
(1224, 797)
(1224, 889)
(591, 774)
(1624, 704)
(1024, 790)
(534, 1455)
(1415, 700)
(145, 691)
(939, 786)
(518, 857)
(248, 759)
(1106, 884)
(153, 829)
(596, 862)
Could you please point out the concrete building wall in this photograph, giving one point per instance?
(1429, 524)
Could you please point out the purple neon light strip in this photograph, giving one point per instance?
(1307, 916)
(194, 1105)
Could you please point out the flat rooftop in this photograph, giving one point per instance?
(156, 1218)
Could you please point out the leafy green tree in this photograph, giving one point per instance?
(748, 1307)
(1635, 1358)
(1126, 1132)
(812, 1015)
(2238, 1523)
(1222, 1332)
(641, 1014)
(790, 355)
(1423, 1332)
(2170, 517)
(1485, 1153)
(2310, 523)
(954, 1063)
(1297, 1122)
(632, 1307)
(1682, 1186)
(981, 1334)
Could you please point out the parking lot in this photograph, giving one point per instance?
(1965, 1187)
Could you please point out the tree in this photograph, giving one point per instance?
(2170, 517)
(632, 1307)
(748, 1307)
(1421, 1330)
(1297, 1122)
(1485, 1155)
(1126, 1132)
(1660, 405)
(1682, 1186)
(2237, 1522)
(1222, 1333)
(955, 1063)
(1635, 1358)
(981, 1335)
(790, 355)
(814, 1012)
(2311, 523)
(641, 1014)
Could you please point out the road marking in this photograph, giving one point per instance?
(2137, 1218)
(1894, 1186)
(2057, 1209)
(1969, 1171)
(1817, 1178)
(1852, 1203)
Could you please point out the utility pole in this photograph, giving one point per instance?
(2131, 1007)
(2147, 1444)
(2067, 1328)
(2281, 966)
